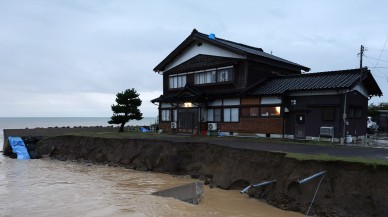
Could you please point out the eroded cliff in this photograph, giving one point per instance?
(348, 189)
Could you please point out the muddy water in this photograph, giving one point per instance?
(53, 188)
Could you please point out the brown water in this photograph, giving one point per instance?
(55, 188)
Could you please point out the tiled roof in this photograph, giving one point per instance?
(316, 81)
(228, 45)
(252, 50)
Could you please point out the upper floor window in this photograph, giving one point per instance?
(205, 77)
(177, 81)
(214, 76)
(224, 75)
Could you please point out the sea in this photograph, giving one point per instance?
(47, 187)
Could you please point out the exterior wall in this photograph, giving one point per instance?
(357, 126)
(382, 120)
(254, 125)
(166, 127)
(312, 106)
(238, 82)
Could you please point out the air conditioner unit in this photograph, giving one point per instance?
(173, 125)
(327, 131)
(212, 126)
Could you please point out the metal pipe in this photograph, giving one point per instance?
(245, 190)
(264, 183)
(311, 177)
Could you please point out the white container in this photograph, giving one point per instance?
(349, 139)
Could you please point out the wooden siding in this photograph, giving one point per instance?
(250, 101)
(254, 125)
(312, 106)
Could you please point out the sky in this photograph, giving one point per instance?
(69, 58)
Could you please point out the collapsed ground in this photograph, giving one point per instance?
(349, 188)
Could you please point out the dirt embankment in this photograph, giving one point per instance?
(348, 189)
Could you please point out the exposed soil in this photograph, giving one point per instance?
(348, 189)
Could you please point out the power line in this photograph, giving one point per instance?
(381, 53)
(374, 58)
(369, 48)
(385, 76)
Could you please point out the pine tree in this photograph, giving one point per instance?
(126, 109)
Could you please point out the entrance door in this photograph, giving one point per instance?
(300, 126)
(187, 120)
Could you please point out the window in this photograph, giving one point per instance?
(213, 76)
(272, 111)
(165, 115)
(250, 112)
(214, 115)
(230, 114)
(224, 75)
(328, 114)
(205, 77)
(177, 81)
(254, 111)
(174, 115)
(355, 112)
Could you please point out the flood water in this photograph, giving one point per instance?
(48, 187)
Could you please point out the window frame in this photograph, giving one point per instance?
(177, 81)
(165, 115)
(233, 113)
(216, 115)
(201, 78)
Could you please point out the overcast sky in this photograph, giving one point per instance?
(69, 58)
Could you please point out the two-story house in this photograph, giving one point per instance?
(212, 84)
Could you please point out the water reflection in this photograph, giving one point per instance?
(53, 188)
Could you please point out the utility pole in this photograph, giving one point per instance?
(361, 54)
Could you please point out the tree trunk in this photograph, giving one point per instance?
(122, 127)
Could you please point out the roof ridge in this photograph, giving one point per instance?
(248, 46)
(321, 73)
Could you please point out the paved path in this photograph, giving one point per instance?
(289, 146)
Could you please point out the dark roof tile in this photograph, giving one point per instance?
(316, 81)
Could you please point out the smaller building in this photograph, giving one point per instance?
(212, 84)
(382, 120)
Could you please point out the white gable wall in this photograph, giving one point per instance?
(194, 50)
(270, 100)
(361, 88)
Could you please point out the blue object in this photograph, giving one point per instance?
(144, 130)
(19, 148)
(212, 36)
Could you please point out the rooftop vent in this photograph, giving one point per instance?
(212, 36)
